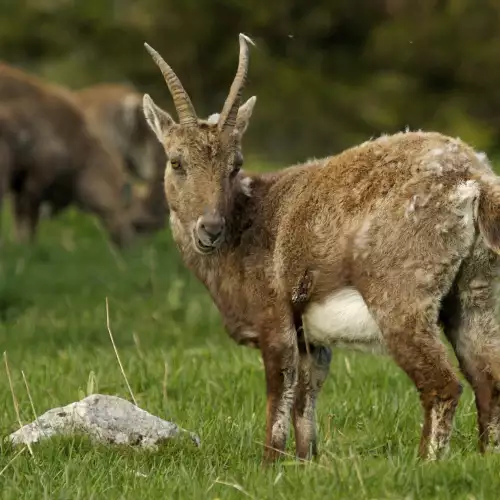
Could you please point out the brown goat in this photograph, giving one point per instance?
(116, 115)
(115, 111)
(376, 247)
(52, 156)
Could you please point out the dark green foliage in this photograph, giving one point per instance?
(327, 74)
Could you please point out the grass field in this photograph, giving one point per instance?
(183, 367)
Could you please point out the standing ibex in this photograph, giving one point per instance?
(114, 111)
(48, 154)
(376, 246)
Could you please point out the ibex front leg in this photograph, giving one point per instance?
(314, 364)
(280, 355)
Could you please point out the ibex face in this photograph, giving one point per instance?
(203, 156)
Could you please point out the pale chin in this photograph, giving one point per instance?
(200, 248)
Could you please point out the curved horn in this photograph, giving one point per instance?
(229, 111)
(182, 102)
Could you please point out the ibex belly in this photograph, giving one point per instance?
(343, 320)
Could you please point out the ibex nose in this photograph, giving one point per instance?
(210, 228)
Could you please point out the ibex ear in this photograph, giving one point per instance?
(157, 119)
(244, 114)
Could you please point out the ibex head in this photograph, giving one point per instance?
(203, 156)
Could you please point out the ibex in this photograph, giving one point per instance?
(376, 247)
(48, 154)
(114, 111)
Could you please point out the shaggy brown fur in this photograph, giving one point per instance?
(375, 248)
(116, 115)
(115, 111)
(52, 156)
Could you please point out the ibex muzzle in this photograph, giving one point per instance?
(209, 232)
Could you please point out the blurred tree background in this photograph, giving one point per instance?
(328, 74)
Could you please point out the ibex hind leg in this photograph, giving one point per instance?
(412, 337)
(469, 319)
(406, 311)
(404, 284)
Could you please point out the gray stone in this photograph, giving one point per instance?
(105, 419)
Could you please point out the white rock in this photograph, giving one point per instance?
(105, 419)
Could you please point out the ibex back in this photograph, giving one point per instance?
(377, 247)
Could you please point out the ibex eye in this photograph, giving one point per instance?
(176, 163)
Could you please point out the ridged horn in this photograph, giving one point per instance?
(229, 112)
(183, 105)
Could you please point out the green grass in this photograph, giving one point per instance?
(53, 327)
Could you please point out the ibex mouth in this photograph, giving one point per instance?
(202, 247)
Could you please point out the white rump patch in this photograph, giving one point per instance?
(343, 318)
